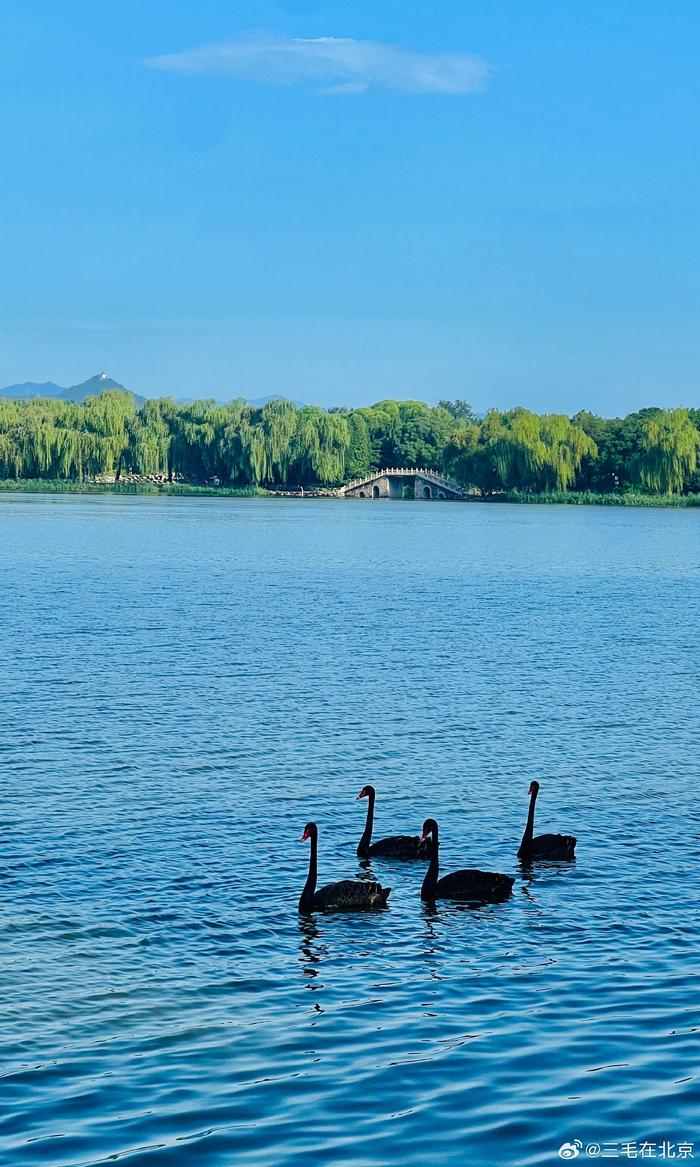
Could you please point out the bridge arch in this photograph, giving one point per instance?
(404, 482)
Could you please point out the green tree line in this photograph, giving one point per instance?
(236, 444)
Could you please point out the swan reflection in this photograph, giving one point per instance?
(312, 952)
(531, 872)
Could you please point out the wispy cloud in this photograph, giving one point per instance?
(331, 64)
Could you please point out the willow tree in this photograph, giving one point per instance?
(37, 448)
(319, 447)
(334, 442)
(459, 455)
(668, 450)
(150, 438)
(195, 450)
(565, 447)
(506, 452)
(520, 450)
(106, 419)
(10, 457)
(68, 452)
(33, 435)
(277, 421)
(488, 465)
(358, 460)
(235, 441)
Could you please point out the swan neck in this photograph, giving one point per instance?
(530, 825)
(310, 886)
(431, 875)
(369, 823)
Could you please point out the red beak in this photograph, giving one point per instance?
(361, 795)
(304, 837)
(423, 838)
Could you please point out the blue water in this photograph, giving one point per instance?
(186, 682)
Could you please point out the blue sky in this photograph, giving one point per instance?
(493, 200)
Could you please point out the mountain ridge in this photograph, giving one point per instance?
(77, 393)
(93, 386)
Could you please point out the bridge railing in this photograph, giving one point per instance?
(406, 472)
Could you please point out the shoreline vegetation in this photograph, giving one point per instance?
(628, 498)
(108, 444)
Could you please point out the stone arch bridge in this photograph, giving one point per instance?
(403, 482)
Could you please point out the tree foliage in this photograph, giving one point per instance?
(240, 445)
(520, 450)
(669, 450)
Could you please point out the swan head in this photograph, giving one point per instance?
(429, 828)
(534, 788)
(367, 792)
(310, 832)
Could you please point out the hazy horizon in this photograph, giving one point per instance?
(257, 400)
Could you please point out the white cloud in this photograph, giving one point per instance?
(331, 64)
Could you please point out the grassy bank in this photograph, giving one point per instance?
(591, 498)
(59, 486)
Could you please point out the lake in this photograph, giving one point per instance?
(188, 681)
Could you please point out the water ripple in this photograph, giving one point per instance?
(187, 682)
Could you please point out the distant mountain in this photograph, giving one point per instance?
(93, 387)
(90, 388)
(32, 389)
(97, 384)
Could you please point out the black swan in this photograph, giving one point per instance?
(394, 846)
(543, 846)
(470, 885)
(348, 894)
